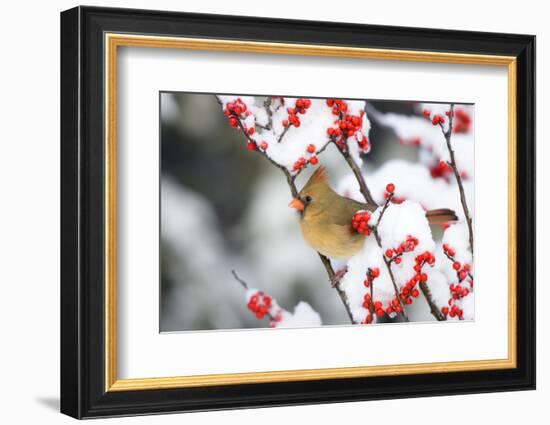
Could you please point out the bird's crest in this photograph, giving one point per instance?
(319, 176)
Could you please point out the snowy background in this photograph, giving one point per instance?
(224, 206)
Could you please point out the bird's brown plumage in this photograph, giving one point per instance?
(326, 218)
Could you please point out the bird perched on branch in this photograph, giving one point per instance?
(326, 218)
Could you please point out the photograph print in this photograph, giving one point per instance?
(292, 212)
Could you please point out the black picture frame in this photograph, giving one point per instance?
(83, 392)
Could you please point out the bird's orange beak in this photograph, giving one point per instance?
(297, 203)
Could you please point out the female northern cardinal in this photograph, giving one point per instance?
(326, 218)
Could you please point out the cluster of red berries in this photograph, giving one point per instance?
(454, 311)
(442, 170)
(436, 119)
(302, 161)
(462, 121)
(408, 245)
(458, 291)
(236, 110)
(371, 275)
(462, 270)
(409, 290)
(259, 304)
(374, 307)
(338, 106)
(394, 307)
(347, 125)
(360, 222)
(300, 107)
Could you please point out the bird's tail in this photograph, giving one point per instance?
(441, 216)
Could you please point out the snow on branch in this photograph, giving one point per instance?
(262, 305)
(292, 132)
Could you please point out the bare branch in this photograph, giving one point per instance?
(336, 285)
(358, 176)
(447, 134)
(238, 279)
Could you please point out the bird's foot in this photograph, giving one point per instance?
(338, 275)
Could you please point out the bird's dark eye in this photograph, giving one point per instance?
(308, 199)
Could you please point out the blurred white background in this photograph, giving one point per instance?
(29, 224)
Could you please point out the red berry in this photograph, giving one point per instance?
(251, 146)
(313, 160)
(426, 113)
(423, 277)
(397, 260)
(456, 265)
(375, 272)
(311, 148)
(285, 123)
(251, 131)
(389, 252)
(390, 188)
(264, 145)
(445, 310)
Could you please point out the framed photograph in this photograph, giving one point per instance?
(261, 212)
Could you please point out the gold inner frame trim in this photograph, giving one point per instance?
(113, 41)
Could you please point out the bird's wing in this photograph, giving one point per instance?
(341, 212)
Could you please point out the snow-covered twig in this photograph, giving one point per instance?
(452, 163)
(433, 308)
(388, 261)
(246, 287)
(262, 305)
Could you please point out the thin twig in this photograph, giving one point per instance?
(238, 279)
(283, 134)
(386, 261)
(336, 285)
(360, 180)
(452, 163)
(392, 277)
(267, 106)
